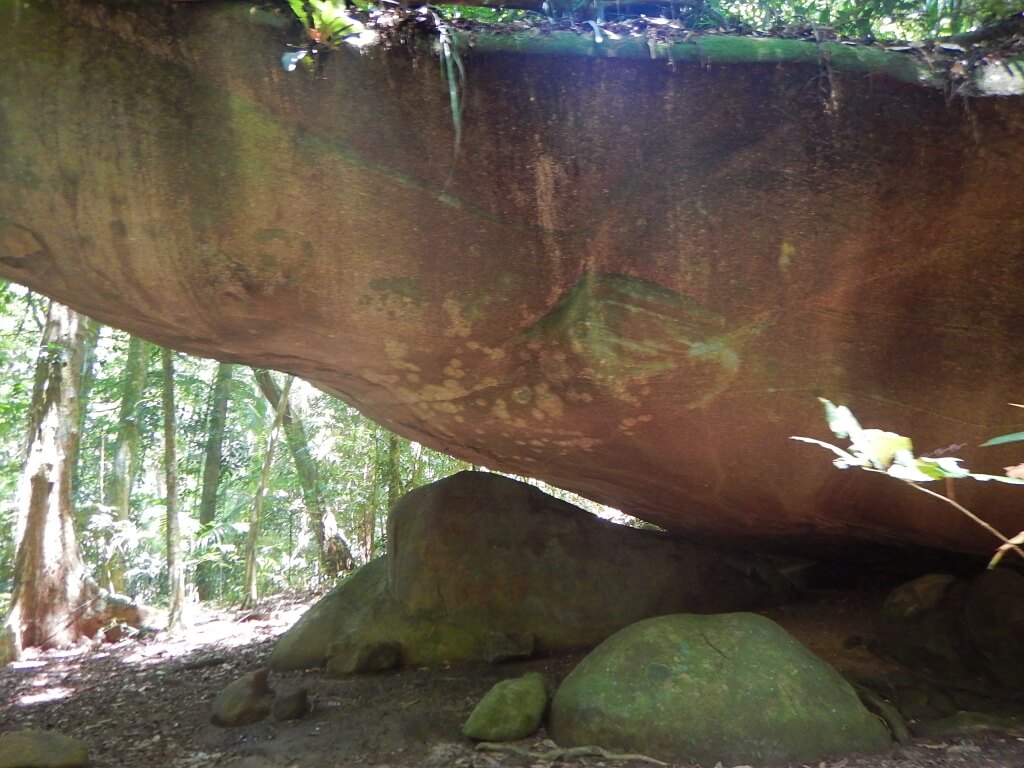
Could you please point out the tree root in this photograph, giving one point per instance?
(560, 754)
(889, 714)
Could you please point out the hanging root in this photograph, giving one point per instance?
(889, 714)
(560, 754)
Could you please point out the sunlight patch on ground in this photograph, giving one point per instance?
(50, 694)
(215, 631)
(33, 664)
(43, 678)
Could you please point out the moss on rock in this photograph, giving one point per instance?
(733, 687)
(512, 709)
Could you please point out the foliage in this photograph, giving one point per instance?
(877, 450)
(477, 13)
(326, 22)
(883, 19)
(877, 18)
(21, 321)
(1013, 437)
(352, 453)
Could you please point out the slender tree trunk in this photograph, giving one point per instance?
(384, 478)
(125, 451)
(333, 550)
(394, 470)
(50, 586)
(213, 465)
(368, 525)
(418, 465)
(91, 335)
(175, 569)
(256, 516)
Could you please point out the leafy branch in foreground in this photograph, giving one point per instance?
(876, 450)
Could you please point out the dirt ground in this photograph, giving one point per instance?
(147, 702)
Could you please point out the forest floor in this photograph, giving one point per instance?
(147, 702)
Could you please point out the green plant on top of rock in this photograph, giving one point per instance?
(327, 22)
(330, 22)
(888, 453)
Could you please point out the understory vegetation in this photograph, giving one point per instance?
(901, 19)
(334, 20)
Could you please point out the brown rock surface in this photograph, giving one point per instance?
(477, 554)
(245, 701)
(633, 283)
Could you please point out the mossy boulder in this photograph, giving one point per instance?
(353, 657)
(359, 605)
(291, 705)
(32, 748)
(478, 557)
(994, 622)
(920, 624)
(958, 630)
(512, 709)
(734, 688)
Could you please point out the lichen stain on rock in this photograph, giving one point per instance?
(624, 332)
(459, 325)
(548, 179)
(454, 369)
(493, 353)
(397, 298)
(500, 410)
(787, 251)
(627, 426)
(396, 352)
(548, 402)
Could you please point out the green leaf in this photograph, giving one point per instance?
(332, 19)
(840, 419)
(299, 9)
(940, 469)
(880, 448)
(1013, 437)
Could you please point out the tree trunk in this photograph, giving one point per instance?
(333, 550)
(394, 467)
(368, 524)
(213, 465)
(125, 451)
(91, 335)
(175, 571)
(50, 587)
(384, 478)
(252, 541)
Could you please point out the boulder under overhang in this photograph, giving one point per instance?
(631, 280)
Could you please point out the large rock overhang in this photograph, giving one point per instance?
(631, 280)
